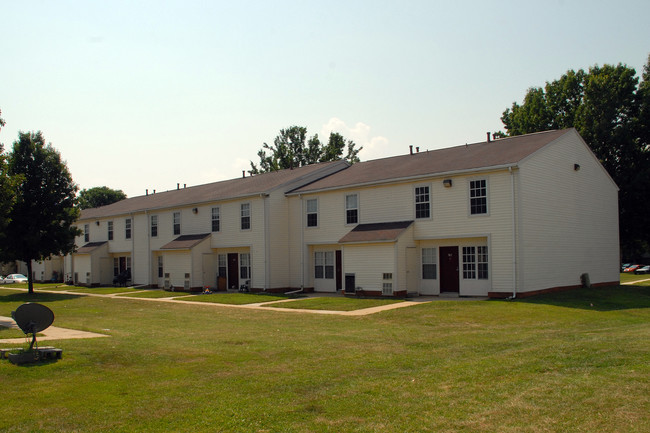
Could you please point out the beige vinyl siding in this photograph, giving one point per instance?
(176, 264)
(81, 267)
(278, 238)
(569, 218)
(404, 266)
(142, 262)
(199, 277)
(369, 262)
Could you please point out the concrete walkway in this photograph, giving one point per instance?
(51, 333)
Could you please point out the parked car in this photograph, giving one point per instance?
(631, 268)
(14, 278)
(642, 270)
(624, 266)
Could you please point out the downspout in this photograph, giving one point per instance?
(267, 268)
(514, 235)
(302, 243)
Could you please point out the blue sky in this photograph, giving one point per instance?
(148, 94)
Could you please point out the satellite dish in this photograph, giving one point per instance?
(33, 318)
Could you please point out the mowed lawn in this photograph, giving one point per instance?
(577, 361)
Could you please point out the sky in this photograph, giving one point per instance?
(145, 95)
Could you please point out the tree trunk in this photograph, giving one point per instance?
(30, 283)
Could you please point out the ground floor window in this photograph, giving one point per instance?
(223, 265)
(245, 266)
(475, 263)
(429, 264)
(160, 266)
(324, 264)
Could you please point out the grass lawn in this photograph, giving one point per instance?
(335, 304)
(155, 293)
(569, 362)
(632, 278)
(235, 298)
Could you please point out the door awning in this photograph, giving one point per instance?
(185, 242)
(376, 232)
(90, 247)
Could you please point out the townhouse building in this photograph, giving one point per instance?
(506, 217)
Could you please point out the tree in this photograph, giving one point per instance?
(44, 211)
(6, 191)
(99, 196)
(611, 111)
(291, 148)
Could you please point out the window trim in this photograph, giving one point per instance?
(470, 198)
(176, 225)
(109, 230)
(153, 226)
(434, 262)
(243, 217)
(313, 213)
(324, 265)
(86, 232)
(216, 220)
(127, 228)
(347, 209)
(244, 264)
(415, 201)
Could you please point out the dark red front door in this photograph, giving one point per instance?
(233, 271)
(449, 269)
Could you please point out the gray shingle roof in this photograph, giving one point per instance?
(227, 189)
(376, 232)
(496, 153)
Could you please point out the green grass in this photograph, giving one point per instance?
(235, 298)
(632, 278)
(545, 364)
(155, 293)
(335, 304)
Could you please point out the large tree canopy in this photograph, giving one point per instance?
(291, 148)
(42, 217)
(99, 196)
(611, 110)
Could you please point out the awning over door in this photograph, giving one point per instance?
(90, 247)
(376, 232)
(185, 242)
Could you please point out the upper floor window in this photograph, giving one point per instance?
(312, 212)
(127, 228)
(110, 230)
(216, 219)
(177, 223)
(429, 264)
(86, 232)
(245, 216)
(422, 202)
(478, 197)
(351, 209)
(154, 226)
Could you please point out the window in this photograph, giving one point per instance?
(245, 216)
(154, 226)
(160, 266)
(177, 223)
(469, 263)
(215, 219)
(312, 213)
(245, 266)
(478, 197)
(422, 202)
(110, 230)
(127, 228)
(116, 266)
(223, 265)
(324, 264)
(429, 264)
(351, 209)
(475, 263)
(482, 262)
(86, 232)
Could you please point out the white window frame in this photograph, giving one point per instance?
(324, 265)
(245, 215)
(430, 258)
(417, 196)
(86, 232)
(110, 230)
(127, 228)
(153, 227)
(176, 223)
(244, 266)
(216, 219)
(472, 190)
(350, 209)
(311, 211)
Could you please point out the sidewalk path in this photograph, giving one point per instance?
(51, 333)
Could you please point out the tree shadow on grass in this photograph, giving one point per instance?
(37, 297)
(610, 298)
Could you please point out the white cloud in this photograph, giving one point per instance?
(373, 147)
